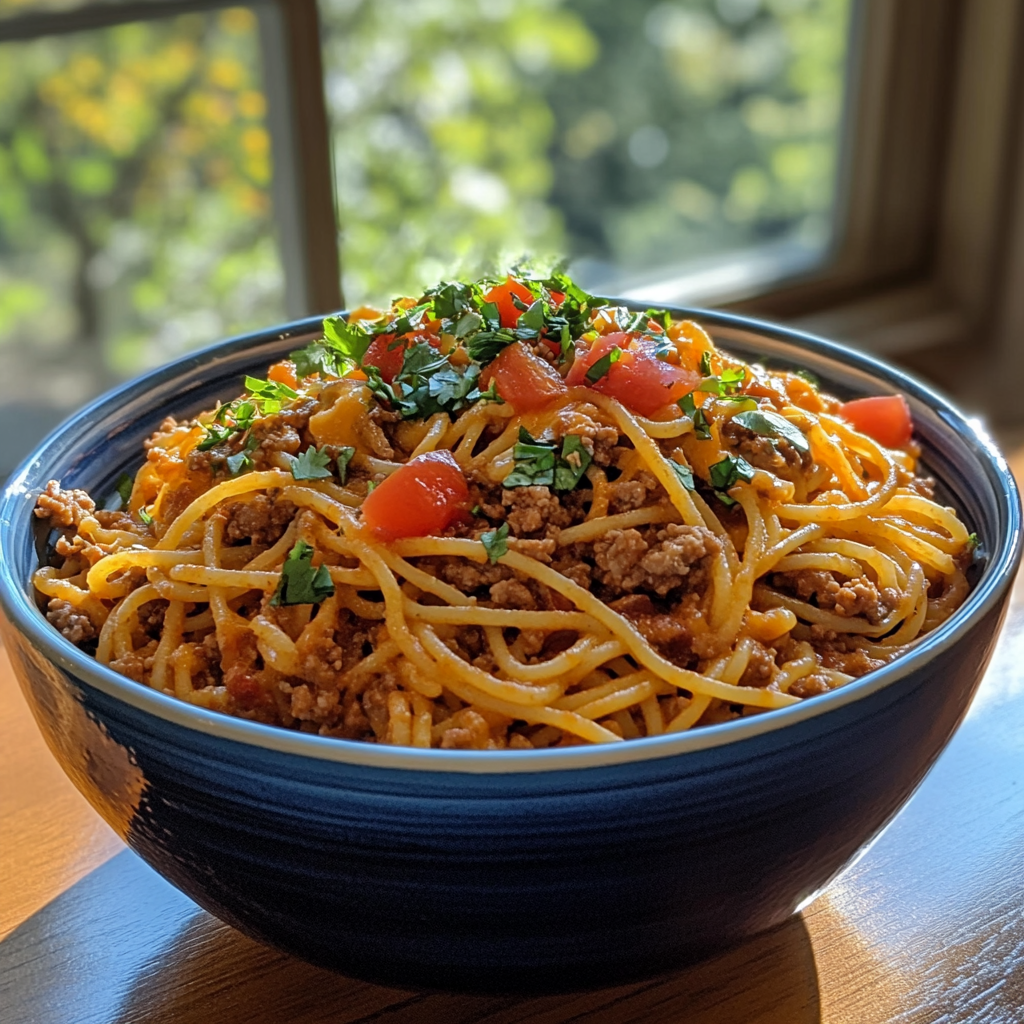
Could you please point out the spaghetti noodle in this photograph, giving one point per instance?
(508, 515)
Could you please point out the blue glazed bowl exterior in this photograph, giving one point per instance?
(513, 870)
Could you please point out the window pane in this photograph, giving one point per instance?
(635, 137)
(135, 217)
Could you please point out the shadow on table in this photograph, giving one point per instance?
(122, 945)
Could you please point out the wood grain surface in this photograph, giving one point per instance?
(928, 926)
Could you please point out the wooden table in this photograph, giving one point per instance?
(927, 926)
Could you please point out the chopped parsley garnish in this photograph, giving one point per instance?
(124, 488)
(540, 464)
(684, 473)
(730, 471)
(659, 316)
(701, 427)
(467, 324)
(604, 364)
(268, 395)
(242, 459)
(371, 486)
(705, 364)
(770, 424)
(663, 347)
(342, 459)
(343, 344)
(300, 582)
(428, 383)
(725, 384)
(265, 398)
(572, 463)
(742, 402)
(233, 418)
(495, 543)
(311, 464)
(485, 346)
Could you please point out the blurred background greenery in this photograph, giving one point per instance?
(641, 139)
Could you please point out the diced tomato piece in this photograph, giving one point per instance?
(284, 373)
(886, 418)
(524, 380)
(557, 297)
(387, 355)
(421, 499)
(501, 296)
(639, 380)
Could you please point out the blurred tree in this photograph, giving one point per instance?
(442, 131)
(134, 170)
(635, 134)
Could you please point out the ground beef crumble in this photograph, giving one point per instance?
(261, 520)
(834, 593)
(655, 560)
(72, 624)
(776, 455)
(64, 508)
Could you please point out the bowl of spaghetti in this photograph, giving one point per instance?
(507, 638)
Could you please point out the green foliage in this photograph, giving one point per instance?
(636, 134)
(134, 191)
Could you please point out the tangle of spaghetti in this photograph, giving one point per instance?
(509, 516)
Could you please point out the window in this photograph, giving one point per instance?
(652, 141)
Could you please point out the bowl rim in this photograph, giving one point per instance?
(24, 617)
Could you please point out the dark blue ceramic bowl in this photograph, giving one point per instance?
(501, 870)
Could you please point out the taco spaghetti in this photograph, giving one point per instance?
(508, 515)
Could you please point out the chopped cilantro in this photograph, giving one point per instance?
(342, 344)
(475, 510)
(342, 459)
(705, 364)
(725, 384)
(729, 471)
(124, 488)
(771, 424)
(572, 463)
(311, 464)
(268, 395)
(484, 346)
(371, 486)
(604, 364)
(743, 403)
(450, 299)
(428, 383)
(809, 377)
(663, 347)
(467, 324)
(540, 464)
(300, 582)
(534, 463)
(495, 543)
(242, 459)
(701, 427)
(532, 320)
(659, 316)
(684, 473)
